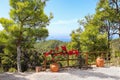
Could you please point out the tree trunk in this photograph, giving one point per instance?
(18, 58)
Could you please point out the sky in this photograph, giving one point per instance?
(66, 14)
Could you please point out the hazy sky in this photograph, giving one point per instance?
(66, 14)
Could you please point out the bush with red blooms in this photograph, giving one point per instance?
(63, 52)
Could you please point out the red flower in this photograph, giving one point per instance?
(64, 48)
(55, 52)
(46, 54)
(70, 52)
(73, 52)
(76, 52)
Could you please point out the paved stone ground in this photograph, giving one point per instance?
(108, 73)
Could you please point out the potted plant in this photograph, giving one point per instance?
(55, 54)
(100, 62)
(38, 68)
(54, 67)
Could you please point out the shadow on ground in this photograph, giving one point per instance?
(93, 73)
(12, 76)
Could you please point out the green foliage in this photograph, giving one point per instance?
(90, 38)
(115, 47)
(115, 50)
(30, 59)
(12, 70)
(27, 24)
(115, 44)
(93, 40)
(108, 12)
(75, 40)
(8, 60)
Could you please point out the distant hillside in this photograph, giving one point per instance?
(48, 45)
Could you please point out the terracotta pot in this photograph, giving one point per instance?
(54, 67)
(100, 62)
(38, 68)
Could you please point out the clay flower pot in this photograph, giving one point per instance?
(38, 68)
(54, 67)
(100, 62)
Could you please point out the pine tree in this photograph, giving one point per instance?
(26, 25)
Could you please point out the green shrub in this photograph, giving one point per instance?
(12, 70)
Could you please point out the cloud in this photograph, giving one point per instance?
(64, 22)
(62, 27)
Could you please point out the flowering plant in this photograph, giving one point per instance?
(60, 52)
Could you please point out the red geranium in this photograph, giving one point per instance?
(76, 52)
(59, 53)
(70, 52)
(73, 52)
(64, 48)
(46, 54)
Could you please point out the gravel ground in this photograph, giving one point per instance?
(108, 73)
